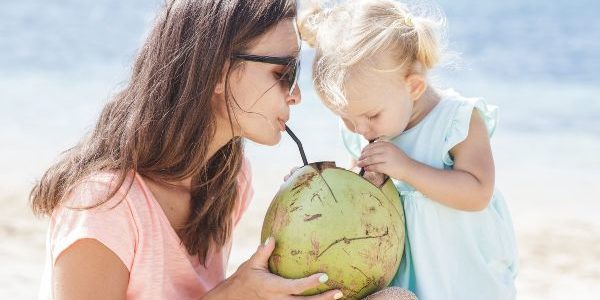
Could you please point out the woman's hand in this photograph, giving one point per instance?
(253, 280)
(384, 157)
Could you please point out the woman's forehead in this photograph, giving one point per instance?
(281, 40)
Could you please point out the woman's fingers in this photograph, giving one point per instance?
(298, 286)
(260, 260)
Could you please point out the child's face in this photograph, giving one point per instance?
(379, 104)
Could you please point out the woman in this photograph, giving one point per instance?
(144, 206)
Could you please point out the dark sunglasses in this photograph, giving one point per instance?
(292, 64)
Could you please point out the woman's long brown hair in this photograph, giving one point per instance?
(161, 123)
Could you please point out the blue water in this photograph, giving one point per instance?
(535, 39)
(60, 60)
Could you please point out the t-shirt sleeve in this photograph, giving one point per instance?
(245, 190)
(111, 223)
(458, 128)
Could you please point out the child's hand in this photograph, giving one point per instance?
(384, 157)
(294, 169)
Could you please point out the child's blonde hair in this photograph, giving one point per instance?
(349, 33)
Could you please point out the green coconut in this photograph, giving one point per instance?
(331, 220)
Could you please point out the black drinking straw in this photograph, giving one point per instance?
(362, 170)
(289, 131)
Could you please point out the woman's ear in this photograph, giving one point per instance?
(220, 86)
(416, 85)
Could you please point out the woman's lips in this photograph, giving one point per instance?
(282, 124)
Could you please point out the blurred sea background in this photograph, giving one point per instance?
(539, 61)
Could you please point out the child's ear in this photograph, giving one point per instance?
(416, 85)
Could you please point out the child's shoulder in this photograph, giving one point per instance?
(458, 109)
(453, 99)
(459, 112)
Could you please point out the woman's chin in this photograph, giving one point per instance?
(270, 140)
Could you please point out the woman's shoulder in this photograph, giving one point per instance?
(102, 208)
(104, 189)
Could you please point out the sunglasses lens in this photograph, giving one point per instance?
(293, 76)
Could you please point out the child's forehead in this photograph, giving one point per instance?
(371, 74)
(361, 84)
(356, 106)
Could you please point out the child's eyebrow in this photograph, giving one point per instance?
(369, 112)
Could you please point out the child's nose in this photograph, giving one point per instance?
(362, 128)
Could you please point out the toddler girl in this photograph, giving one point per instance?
(370, 69)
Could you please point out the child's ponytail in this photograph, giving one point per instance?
(428, 50)
(309, 22)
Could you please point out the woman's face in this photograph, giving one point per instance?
(263, 98)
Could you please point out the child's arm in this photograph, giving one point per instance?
(468, 186)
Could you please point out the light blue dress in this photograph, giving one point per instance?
(450, 254)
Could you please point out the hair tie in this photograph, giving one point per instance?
(408, 20)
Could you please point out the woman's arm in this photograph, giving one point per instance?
(468, 186)
(89, 270)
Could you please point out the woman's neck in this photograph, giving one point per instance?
(222, 136)
(174, 197)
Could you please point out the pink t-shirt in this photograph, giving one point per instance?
(139, 233)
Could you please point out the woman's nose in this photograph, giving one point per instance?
(295, 97)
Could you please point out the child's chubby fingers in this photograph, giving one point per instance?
(286, 177)
(387, 149)
(376, 168)
(371, 160)
(370, 152)
(375, 147)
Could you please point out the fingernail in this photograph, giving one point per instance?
(267, 241)
(338, 295)
(323, 278)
